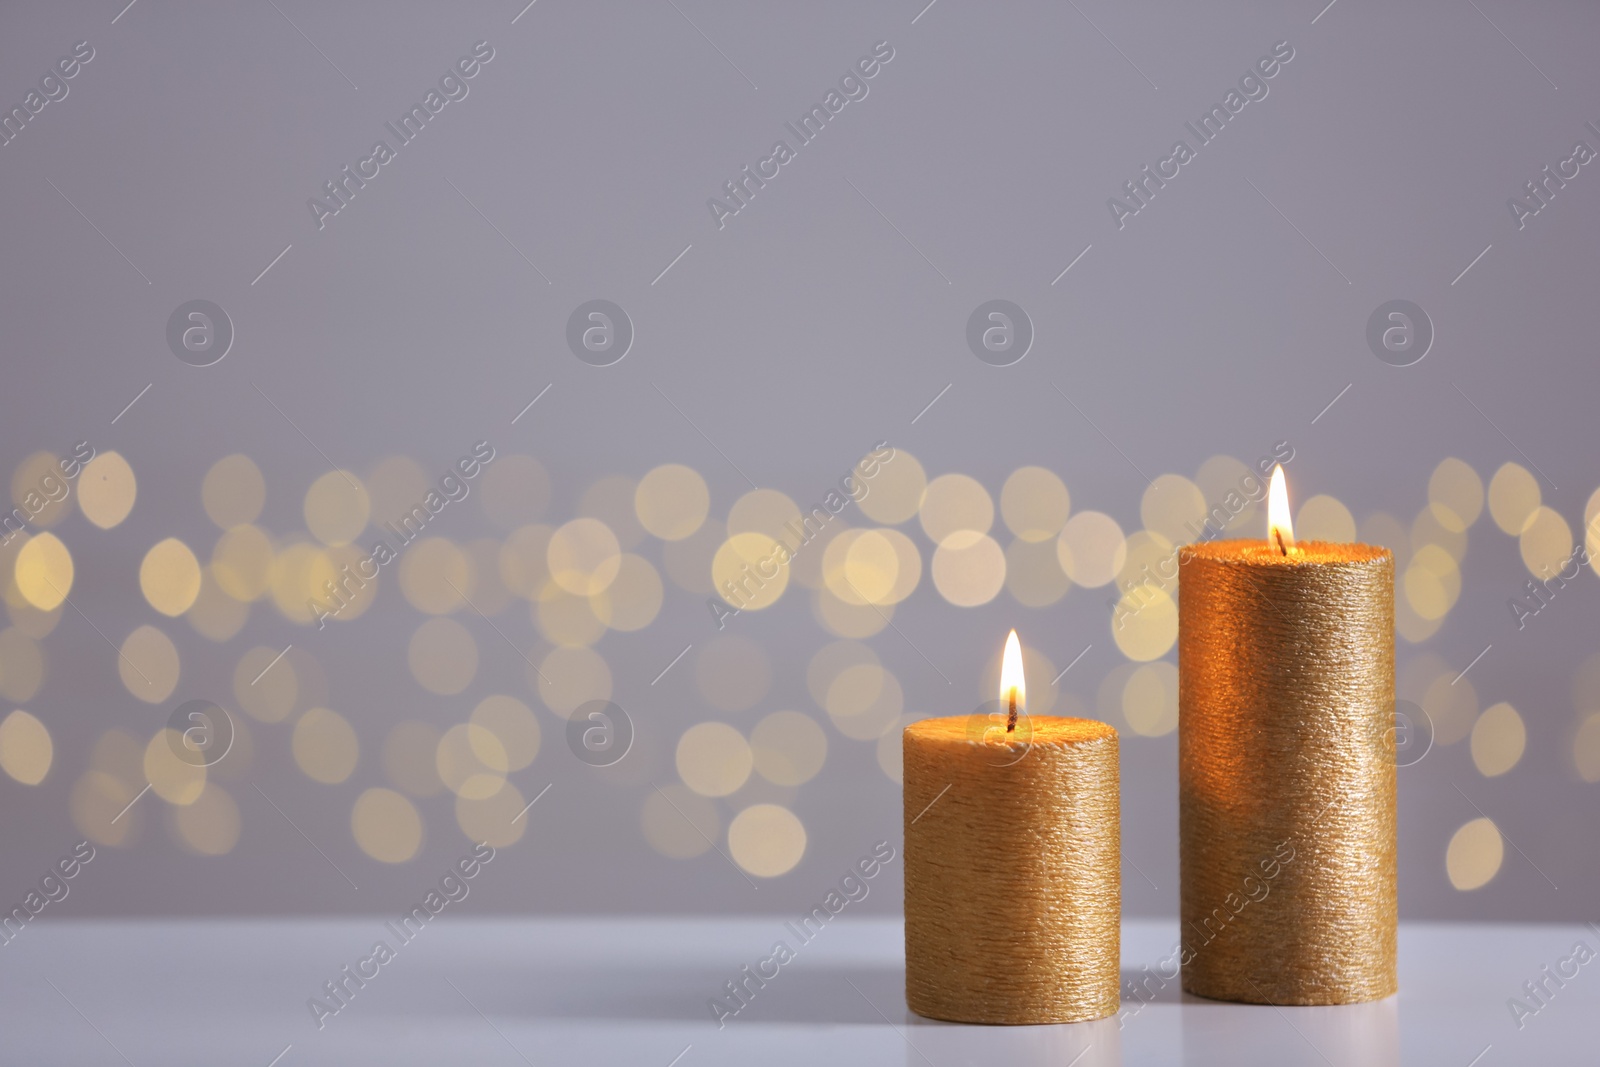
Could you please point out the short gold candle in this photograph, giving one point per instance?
(1013, 870)
(1286, 771)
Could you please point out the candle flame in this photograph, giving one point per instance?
(1013, 690)
(1280, 530)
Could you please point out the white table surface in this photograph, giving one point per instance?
(634, 991)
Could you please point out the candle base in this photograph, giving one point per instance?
(1013, 868)
(1286, 773)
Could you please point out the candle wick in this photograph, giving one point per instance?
(1011, 719)
(1277, 534)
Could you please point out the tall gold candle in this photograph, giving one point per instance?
(1286, 769)
(1012, 865)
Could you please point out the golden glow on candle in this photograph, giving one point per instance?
(1013, 690)
(1280, 530)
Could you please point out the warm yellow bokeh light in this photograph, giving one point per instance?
(584, 556)
(1591, 526)
(567, 620)
(894, 494)
(350, 594)
(880, 566)
(386, 825)
(1324, 518)
(788, 748)
(955, 502)
(1148, 559)
(1150, 699)
(1432, 582)
(1173, 507)
(337, 508)
(870, 568)
(1546, 543)
(443, 656)
(513, 723)
(169, 577)
(26, 618)
(1474, 855)
(766, 840)
(672, 501)
(765, 511)
(26, 751)
(107, 489)
(843, 619)
(1498, 740)
(233, 491)
(1091, 548)
(210, 826)
(1411, 626)
(1144, 623)
(40, 491)
(44, 571)
(750, 571)
(172, 778)
(569, 677)
(298, 568)
(863, 700)
(496, 820)
(324, 746)
(713, 759)
(99, 805)
(471, 761)
(436, 576)
(1035, 504)
(633, 599)
(1513, 497)
(242, 562)
(148, 664)
(1426, 529)
(1455, 494)
(969, 568)
(1384, 529)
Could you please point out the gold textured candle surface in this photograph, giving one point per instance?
(1286, 772)
(1013, 870)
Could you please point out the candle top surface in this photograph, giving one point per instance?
(1303, 554)
(979, 730)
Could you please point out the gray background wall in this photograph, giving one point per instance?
(807, 328)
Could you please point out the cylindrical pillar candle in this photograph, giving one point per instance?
(1013, 870)
(1286, 771)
